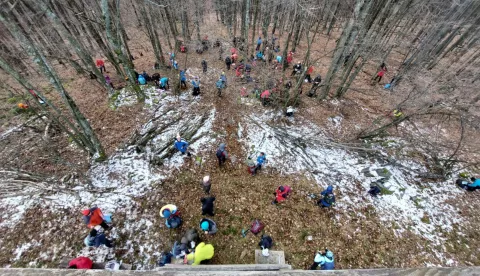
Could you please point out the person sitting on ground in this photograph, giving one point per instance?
(168, 211)
(281, 193)
(288, 85)
(96, 238)
(164, 83)
(202, 253)
(324, 260)
(265, 244)
(206, 184)
(222, 154)
(171, 214)
(93, 217)
(207, 206)
(183, 79)
(183, 48)
(328, 198)
(142, 80)
(80, 263)
(297, 69)
(196, 87)
(265, 97)
(208, 226)
(374, 190)
(181, 145)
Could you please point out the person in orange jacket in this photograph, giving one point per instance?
(281, 194)
(93, 217)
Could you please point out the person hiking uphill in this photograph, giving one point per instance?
(206, 184)
(228, 62)
(204, 66)
(183, 79)
(220, 85)
(328, 198)
(259, 43)
(196, 87)
(222, 154)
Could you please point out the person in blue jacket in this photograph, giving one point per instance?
(475, 185)
(259, 43)
(324, 260)
(97, 238)
(220, 85)
(181, 145)
(260, 161)
(141, 80)
(196, 87)
(183, 79)
(328, 198)
(223, 77)
(164, 83)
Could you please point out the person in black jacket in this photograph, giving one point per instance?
(207, 206)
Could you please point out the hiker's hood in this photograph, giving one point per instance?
(222, 146)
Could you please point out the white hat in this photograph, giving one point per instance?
(206, 178)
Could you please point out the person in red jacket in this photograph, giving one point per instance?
(93, 217)
(281, 194)
(80, 263)
(380, 74)
(308, 76)
(289, 57)
(101, 65)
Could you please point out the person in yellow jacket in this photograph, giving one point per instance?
(202, 252)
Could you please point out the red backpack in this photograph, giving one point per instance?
(257, 227)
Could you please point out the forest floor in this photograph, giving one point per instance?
(414, 223)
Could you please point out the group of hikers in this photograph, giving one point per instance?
(189, 247)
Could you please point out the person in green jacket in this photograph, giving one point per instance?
(202, 252)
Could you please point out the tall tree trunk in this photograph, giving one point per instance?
(114, 37)
(92, 143)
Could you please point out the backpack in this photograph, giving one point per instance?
(220, 154)
(174, 221)
(228, 60)
(257, 227)
(328, 198)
